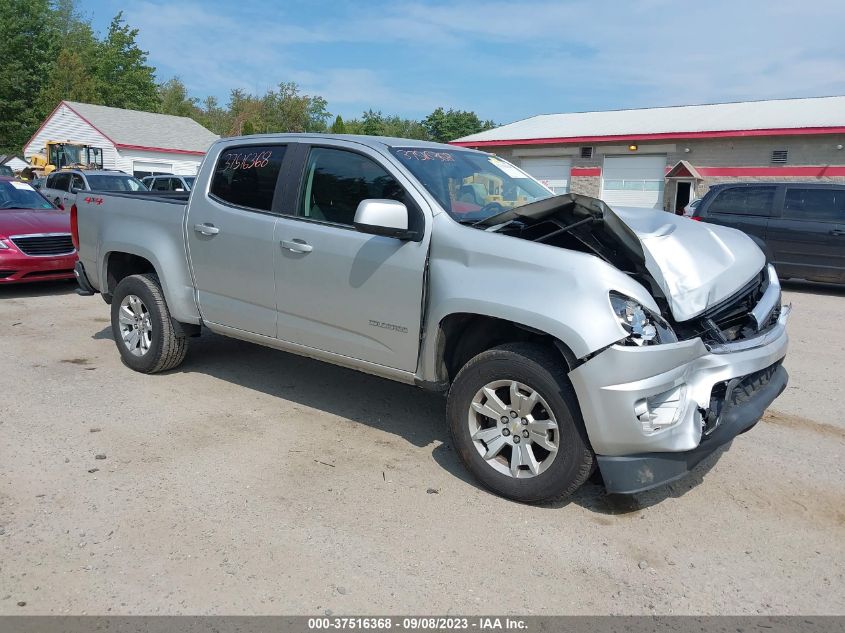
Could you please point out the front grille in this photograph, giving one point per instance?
(41, 245)
(731, 319)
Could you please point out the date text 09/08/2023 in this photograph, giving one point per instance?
(479, 623)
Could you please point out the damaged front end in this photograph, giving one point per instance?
(682, 383)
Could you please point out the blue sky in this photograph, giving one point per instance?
(504, 60)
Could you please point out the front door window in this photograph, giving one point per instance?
(337, 181)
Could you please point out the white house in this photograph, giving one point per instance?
(15, 163)
(139, 143)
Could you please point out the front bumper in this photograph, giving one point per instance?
(653, 412)
(16, 267)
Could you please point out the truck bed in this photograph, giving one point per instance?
(145, 224)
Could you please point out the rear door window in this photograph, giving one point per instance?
(757, 201)
(246, 176)
(822, 205)
(161, 184)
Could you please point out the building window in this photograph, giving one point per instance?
(779, 156)
(586, 152)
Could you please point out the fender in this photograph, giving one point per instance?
(556, 291)
(157, 242)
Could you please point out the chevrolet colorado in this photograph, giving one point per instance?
(568, 335)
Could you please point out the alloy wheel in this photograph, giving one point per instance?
(136, 327)
(513, 429)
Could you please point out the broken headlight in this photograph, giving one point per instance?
(643, 326)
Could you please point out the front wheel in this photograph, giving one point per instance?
(517, 426)
(142, 327)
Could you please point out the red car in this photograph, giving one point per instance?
(35, 241)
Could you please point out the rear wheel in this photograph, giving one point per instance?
(516, 424)
(143, 330)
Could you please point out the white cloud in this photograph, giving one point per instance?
(506, 59)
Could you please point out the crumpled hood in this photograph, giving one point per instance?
(695, 264)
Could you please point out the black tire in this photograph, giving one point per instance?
(167, 345)
(544, 371)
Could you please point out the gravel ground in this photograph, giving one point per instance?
(250, 481)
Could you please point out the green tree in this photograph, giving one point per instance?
(124, 78)
(213, 117)
(69, 79)
(25, 57)
(174, 99)
(338, 127)
(378, 124)
(372, 123)
(74, 49)
(287, 110)
(444, 126)
(404, 128)
(244, 110)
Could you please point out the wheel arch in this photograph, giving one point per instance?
(121, 260)
(460, 336)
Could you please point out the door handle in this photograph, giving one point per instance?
(839, 232)
(206, 229)
(297, 246)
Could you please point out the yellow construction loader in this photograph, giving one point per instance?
(64, 154)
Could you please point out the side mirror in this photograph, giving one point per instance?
(383, 217)
(75, 190)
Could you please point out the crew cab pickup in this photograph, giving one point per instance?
(568, 335)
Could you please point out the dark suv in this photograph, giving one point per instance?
(800, 226)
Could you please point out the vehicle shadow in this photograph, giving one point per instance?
(813, 288)
(406, 411)
(37, 289)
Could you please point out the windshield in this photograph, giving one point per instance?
(115, 183)
(20, 195)
(471, 186)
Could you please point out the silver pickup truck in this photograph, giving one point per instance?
(567, 335)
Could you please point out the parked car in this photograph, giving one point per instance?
(169, 183)
(567, 334)
(62, 186)
(800, 226)
(691, 207)
(38, 183)
(35, 240)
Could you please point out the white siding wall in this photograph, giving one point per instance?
(66, 125)
(180, 164)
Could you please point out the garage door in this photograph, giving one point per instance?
(552, 172)
(634, 181)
